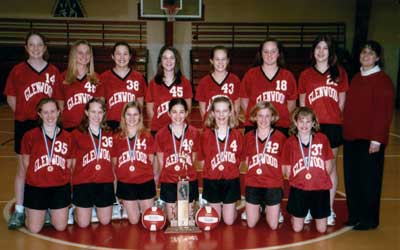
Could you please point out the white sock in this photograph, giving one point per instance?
(19, 208)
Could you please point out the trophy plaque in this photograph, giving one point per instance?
(183, 219)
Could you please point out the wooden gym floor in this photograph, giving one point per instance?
(120, 235)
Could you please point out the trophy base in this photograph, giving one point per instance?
(183, 230)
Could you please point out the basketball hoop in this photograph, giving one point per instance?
(170, 12)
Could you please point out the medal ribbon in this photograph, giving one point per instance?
(132, 155)
(180, 147)
(225, 145)
(265, 146)
(49, 152)
(97, 149)
(306, 162)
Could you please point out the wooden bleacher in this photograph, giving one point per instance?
(243, 40)
(61, 33)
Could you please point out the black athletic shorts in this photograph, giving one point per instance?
(225, 191)
(334, 134)
(93, 194)
(43, 198)
(300, 201)
(267, 196)
(168, 191)
(131, 192)
(20, 128)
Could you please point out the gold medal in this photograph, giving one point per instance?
(177, 168)
(98, 167)
(308, 176)
(259, 171)
(50, 168)
(131, 168)
(221, 167)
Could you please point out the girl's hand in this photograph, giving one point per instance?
(374, 147)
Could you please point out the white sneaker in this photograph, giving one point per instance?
(243, 216)
(94, 215)
(308, 218)
(124, 213)
(71, 215)
(202, 202)
(116, 211)
(281, 218)
(331, 219)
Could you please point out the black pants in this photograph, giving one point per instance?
(363, 174)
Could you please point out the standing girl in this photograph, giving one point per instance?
(270, 82)
(46, 153)
(323, 87)
(167, 84)
(264, 179)
(176, 147)
(219, 82)
(79, 86)
(306, 162)
(27, 83)
(221, 157)
(92, 175)
(121, 84)
(132, 157)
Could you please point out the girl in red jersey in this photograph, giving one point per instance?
(323, 87)
(167, 84)
(219, 82)
(177, 145)
(79, 86)
(132, 157)
(46, 152)
(264, 179)
(121, 84)
(221, 150)
(306, 162)
(270, 82)
(27, 83)
(92, 175)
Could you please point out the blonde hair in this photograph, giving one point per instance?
(232, 121)
(72, 70)
(123, 129)
(263, 105)
(303, 112)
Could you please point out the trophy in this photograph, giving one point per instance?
(183, 213)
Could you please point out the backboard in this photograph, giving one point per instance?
(155, 9)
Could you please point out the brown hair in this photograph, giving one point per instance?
(42, 37)
(39, 106)
(84, 125)
(159, 78)
(302, 112)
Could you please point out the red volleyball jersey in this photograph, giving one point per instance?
(29, 87)
(316, 176)
(221, 165)
(209, 88)
(160, 95)
(89, 169)
(257, 87)
(322, 94)
(75, 96)
(174, 168)
(118, 91)
(139, 168)
(264, 169)
(41, 171)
